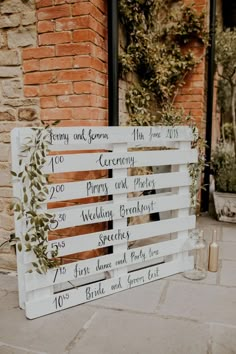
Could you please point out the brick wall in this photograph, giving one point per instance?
(17, 31)
(68, 72)
(68, 69)
(53, 65)
(192, 96)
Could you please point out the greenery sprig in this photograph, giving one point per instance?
(34, 193)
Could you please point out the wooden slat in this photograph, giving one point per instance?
(109, 186)
(103, 288)
(19, 225)
(105, 161)
(70, 245)
(82, 269)
(93, 137)
(106, 211)
(117, 140)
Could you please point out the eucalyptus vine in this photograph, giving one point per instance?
(34, 193)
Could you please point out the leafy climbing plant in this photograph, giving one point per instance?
(34, 193)
(156, 53)
(157, 49)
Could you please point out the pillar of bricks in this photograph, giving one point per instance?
(67, 71)
(68, 68)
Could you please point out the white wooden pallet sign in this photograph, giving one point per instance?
(112, 148)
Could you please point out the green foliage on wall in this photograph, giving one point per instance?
(158, 36)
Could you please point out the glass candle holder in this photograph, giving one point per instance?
(197, 248)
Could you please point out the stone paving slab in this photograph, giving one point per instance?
(48, 334)
(200, 302)
(229, 234)
(133, 299)
(120, 332)
(8, 281)
(211, 278)
(223, 339)
(228, 273)
(227, 250)
(169, 316)
(6, 349)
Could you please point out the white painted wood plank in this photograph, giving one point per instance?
(19, 224)
(100, 136)
(88, 267)
(70, 245)
(105, 161)
(103, 288)
(106, 211)
(185, 211)
(108, 186)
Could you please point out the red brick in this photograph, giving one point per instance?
(36, 53)
(88, 35)
(197, 112)
(101, 29)
(55, 89)
(54, 38)
(68, 24)
(31, 91)
(59, 2)
(196, 77)
(192, 91)
(189, 105)
(54, 12)
(48, 102)
(55, 113)
(43, 3)
(99, 65)
(88, 8)
(75, 75)
(82, 74)
(99, 77)
(73, 49)
(97, 101)
(31, 65)
(81, 8)
(89, 87)
(198, 83)
(100, 4)
(74, 101)
(99, 53)
(39, 78)
(82, 61)
(86, 61)
(82, 101)
(45, 26)
(189, 98)
(56, 63)
(92, 114)
(199, 69)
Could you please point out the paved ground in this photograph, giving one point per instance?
(169, 316)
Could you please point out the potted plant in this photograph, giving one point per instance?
(223, 165)
(223, 160)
